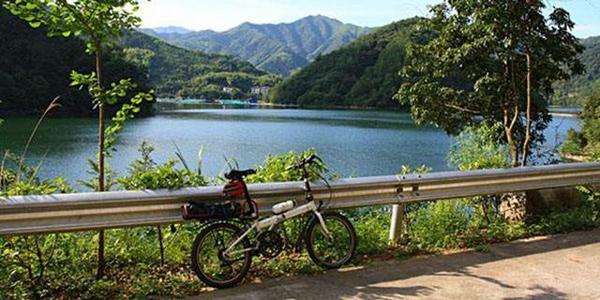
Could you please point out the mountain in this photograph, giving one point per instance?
(276, 48)
(171, 29)
(178, 72)
(575, 91)
(363, 73)
(34, 69)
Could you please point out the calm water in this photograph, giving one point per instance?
(353, 143)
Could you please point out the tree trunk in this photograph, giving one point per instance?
(509, 131)
(101, 187)
(509, 122)
(527, 142)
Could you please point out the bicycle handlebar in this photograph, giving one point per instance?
(237, 174)
(305, 161)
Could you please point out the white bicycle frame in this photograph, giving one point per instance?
(271, 222)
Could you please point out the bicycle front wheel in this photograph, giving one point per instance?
(334, 250)
(212, 265)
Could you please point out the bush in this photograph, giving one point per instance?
(29, 266)
(586, 142)
(278, 168)
(591, 125)
(438, 225)
(583, 217)
(573, 144)
(144, 173)
(478, 147)
(372, 229)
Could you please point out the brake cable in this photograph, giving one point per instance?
(328, 188)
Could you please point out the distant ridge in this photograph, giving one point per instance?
(364, 73)
(182, 73)
(171, 29)
(276, 48)
(575, 91)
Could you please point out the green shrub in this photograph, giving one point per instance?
(586, 142)
(583, 217)
(278, 168)
(573, 144)
(372, 228)
(591, 126)
(438, 225)
(30, 266)
(145, 173)
(479, 147)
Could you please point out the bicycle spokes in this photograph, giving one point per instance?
(332, 241)
(211, 255)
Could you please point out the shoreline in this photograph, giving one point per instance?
(553, 111)
(564, 114)
(280, 105)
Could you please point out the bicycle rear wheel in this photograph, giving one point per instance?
(210, 263)
(335, 251)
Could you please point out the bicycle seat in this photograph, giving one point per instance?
(237, 174)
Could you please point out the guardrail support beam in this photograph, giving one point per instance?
(43, 214)
(397, 223)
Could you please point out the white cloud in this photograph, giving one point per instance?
(585, 30)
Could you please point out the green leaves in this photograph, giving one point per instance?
(31, 5)
(587, 142)
(276, 168)
(111, 96)
(473, 66)
(145, 173)
(100, 21)
(478, 148)
(127, 112)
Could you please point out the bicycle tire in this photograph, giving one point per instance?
(196, 264)
(310, 242)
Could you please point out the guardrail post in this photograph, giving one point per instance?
(397, 223)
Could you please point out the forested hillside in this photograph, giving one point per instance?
(366, 73)
(34, 69)
(363, 73)
(276, 48)
(577, 90)
(177, 72)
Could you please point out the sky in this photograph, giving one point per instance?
(221, 15)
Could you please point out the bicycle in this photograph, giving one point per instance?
(223, 251)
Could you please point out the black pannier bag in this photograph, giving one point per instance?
(237, 203)
(210, 211)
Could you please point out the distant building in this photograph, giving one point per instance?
(260, 91)
(228, 90)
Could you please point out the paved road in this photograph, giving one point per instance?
(554, 267)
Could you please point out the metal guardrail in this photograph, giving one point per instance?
(91, 211)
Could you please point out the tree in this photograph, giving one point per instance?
(98, 22)
(587, 142)
(491, 59)
(591, 125)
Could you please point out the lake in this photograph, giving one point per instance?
(352, 142)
